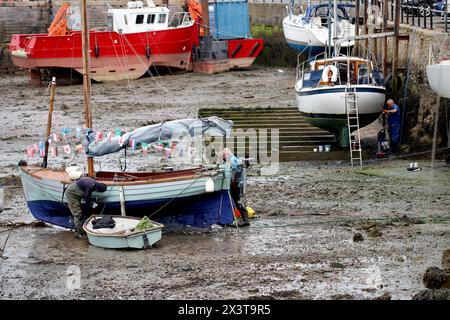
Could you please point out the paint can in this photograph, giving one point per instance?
(320, 148)
(315, 149)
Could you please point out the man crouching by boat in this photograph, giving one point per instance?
(235, 186)
(78, 190)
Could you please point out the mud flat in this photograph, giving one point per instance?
(302, 246)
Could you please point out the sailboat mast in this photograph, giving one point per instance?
(329, 27)
(86, 77)
(335, 26)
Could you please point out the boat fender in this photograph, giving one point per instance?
(256, 46)
(147, 52)
(325, 71)
(209, 185)
(236, 50)
(97, 51)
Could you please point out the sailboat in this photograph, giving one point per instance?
(438, 71)
(308, 32)
(197, 196)
(322, 85)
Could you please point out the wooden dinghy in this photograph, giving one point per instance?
(124, 234)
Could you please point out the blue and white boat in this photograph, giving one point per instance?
(322, 99)
(308, 32)
(176, 198)
(198, 197)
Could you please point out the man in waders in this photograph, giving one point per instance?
(394, 123)
(77, 191)
(235, 186)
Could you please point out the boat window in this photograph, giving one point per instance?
(378, 77)
(140, 19)
(321, 12)
(162, 18)
(341, 14)
(125, 18)
(311, 79)
(150, 18)
(363, 75)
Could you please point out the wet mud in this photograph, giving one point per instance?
(301, 246)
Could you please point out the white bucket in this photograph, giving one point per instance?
(320, 148)
(327, 148)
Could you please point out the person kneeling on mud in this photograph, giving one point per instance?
(235, 187)
(77, 191)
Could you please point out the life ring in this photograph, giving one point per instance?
(334, 75)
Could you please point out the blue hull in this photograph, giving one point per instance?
(315, 50)
(197, 211)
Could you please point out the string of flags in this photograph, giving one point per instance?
(63, 140)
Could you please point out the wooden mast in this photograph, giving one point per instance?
(86, 77)
(49, 121)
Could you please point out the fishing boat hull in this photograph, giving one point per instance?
(176, 202)
(114, 56)
(325, 107)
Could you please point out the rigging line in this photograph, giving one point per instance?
(172, 199)
(164, 101)
(132, 88)
(130, 81)
(354, 220)
(406, 155)
(140, 60)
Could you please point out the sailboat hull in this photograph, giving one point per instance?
(325, 107)
(176, 203)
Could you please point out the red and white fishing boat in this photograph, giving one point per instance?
(137, 37)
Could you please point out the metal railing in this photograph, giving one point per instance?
(421, 16)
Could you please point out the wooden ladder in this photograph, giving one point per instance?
(351, 105)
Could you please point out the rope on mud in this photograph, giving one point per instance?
(406, 155)
(412, 220)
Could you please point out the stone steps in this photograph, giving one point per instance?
(296, 138)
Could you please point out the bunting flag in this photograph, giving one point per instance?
(99, 136)
(78, 132)
(36, 147)
(121, 141)
(56, 137)
(144, 147)
(167, 152)
(79, 148)
(133, 144)
(41, 148)
(54, 151)
(110, 136)
(66, 149)
(30, 152)
(65, 131)
(117, 132)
